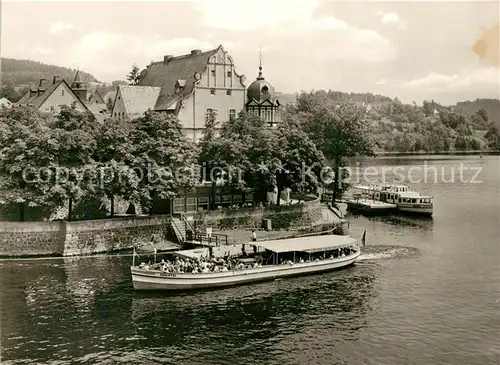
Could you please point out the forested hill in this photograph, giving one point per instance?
(429, 127)
(492, 107)
(19, 73)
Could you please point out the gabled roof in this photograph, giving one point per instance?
(6, 102)
(96, 98)
(23, 100)
(165, 76)
(38, 100)
(98, 110)
(138, 99)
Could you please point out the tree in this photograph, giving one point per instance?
(133, 76)
(296, 161)
(26, 149)
(109, 105)
(483, 114)
(339, 129)
(164, 159)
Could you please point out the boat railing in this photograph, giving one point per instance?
(215, 239)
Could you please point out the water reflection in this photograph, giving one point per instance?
(78, 310)
(250, 322)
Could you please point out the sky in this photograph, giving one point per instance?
(446, 51)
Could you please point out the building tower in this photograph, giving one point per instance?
(262, 100)
(79, 87)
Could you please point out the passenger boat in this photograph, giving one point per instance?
(280, 259)
(406, 200)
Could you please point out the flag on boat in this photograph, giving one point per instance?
(363, 239)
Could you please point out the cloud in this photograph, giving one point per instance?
(484, 78)
(256, 14)
(43, 50)
(391, 19)
(331, 22)
(381, 82)
(121, 50)
(338, 40)
(60, 26)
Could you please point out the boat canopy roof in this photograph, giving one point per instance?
(308, 244)
(413, 194)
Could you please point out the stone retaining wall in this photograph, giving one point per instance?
(31, 238)
(79, 237)
(107, 235)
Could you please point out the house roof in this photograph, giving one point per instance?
(98, 110)
(96, 98)
(5, 101)
(23, 100)
(37, 100)
(165, 75)
(138, 99)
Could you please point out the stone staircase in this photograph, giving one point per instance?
(179, 229)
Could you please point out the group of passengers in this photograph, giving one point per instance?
(342, 252)
(201, 264)
(206, 264)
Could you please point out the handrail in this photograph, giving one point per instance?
(177, 231)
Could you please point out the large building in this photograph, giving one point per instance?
(191, 87)
(49, 97)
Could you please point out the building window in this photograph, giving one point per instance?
(62, 92)
(212, 91)
(228, 92)
(213, 73)
(232, 114)
(268, 115)
(229, 74)
(210, 116)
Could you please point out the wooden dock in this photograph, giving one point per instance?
(370, 206)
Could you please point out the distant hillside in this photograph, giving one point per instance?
(492, 107)
(21, 73)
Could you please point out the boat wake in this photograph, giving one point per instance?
(386, 252)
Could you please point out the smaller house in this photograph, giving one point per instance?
(50, 97)
(96, 98)
(133, 101)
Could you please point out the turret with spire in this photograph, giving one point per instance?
(79, 87)
(261, 98)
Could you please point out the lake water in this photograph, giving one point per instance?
(426, 291)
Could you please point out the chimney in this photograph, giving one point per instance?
(33, 92)
(167, 58)
(41, 86)
(55, 79)
(195, 52)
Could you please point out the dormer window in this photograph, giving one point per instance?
(179, 85)
(265, 89)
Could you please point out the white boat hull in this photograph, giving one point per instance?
(153, 280)
(416, 209)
